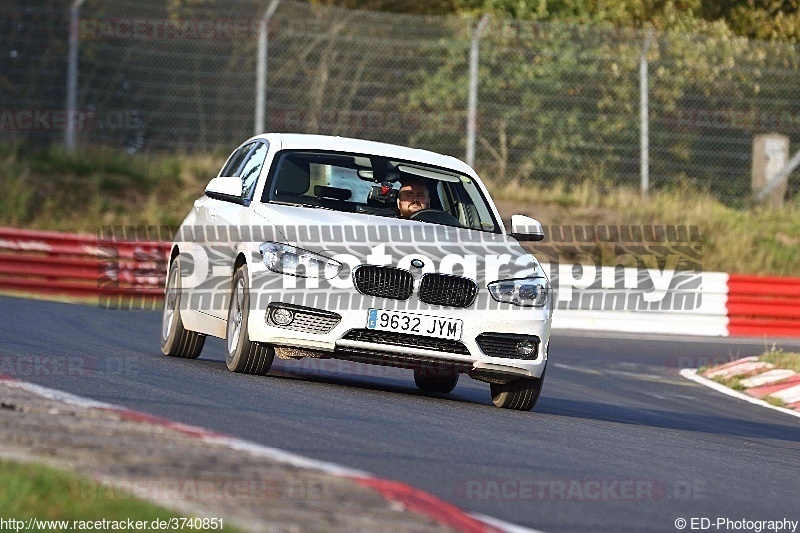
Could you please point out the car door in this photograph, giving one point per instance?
(203, 253)
(228, 217)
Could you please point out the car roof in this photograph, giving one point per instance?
(306, 141)
(302, 141)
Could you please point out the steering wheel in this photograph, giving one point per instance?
(436, 216)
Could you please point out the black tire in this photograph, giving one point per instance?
(520, 394)
(177, 341)
(435, 380)
(243, 355)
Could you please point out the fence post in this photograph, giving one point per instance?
(259, 125)
(72, 73)
(770, 169)
(644, 103)
(472, 99)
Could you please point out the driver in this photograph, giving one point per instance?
(412, 197)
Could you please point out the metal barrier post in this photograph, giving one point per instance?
(72, 73)
(644, 141)
(261, 68)
(472, 103)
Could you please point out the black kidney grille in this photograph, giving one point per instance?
(385, 282)
(443, 289)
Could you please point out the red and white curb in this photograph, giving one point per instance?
(691, 374)
(412, 499)
(761, 379)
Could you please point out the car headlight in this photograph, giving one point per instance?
(287, 259)
(527, 292)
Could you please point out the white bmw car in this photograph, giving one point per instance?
(328, 247)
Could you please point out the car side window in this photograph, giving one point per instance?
(474, 210)
(234, 163)
(445, 194)
(251, 169)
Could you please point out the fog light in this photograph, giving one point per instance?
(282, 317)
(526, 349)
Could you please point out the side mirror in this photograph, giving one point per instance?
(526, 228)
(227, 188)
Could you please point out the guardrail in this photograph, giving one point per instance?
(699, 309)
(131, 274)
(759, 305)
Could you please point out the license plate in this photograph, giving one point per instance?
(414, 324)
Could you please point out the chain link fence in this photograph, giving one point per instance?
(554, 101)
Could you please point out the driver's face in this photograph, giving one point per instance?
(411, 198)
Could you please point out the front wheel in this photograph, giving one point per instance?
(243, 355)
(520, 394)
(177, 341)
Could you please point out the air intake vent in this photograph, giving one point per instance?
(509, 345)
(407, 341)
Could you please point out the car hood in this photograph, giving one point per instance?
(370, 239)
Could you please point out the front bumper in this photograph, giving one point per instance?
(335, 323)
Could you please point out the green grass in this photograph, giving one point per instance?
(732, 383)
(754, 240)
(772, 400)
(35, 491)
(96, 187)
(781, 359)
(51, 189)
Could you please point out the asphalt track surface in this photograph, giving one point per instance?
(618, 441)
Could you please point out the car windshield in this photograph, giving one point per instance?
(369, 184)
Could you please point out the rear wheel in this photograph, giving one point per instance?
(177, 341)
(435, 380)
(520, 394)
(243, 355)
